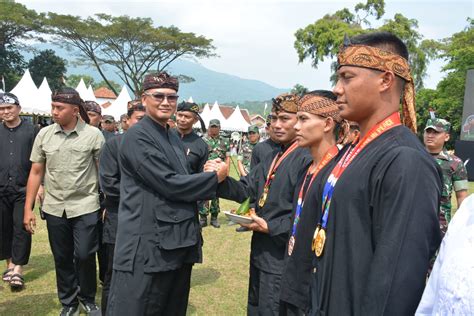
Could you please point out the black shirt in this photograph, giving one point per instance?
(196, 150)
(158, 214)
(382, 230)
(15, 150)
(261, 150)
(109, 179)
(268, 250)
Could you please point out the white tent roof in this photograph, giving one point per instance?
(190, 100)
(236, 122)
(44, 93)
(216, 113)
(119, 106)
(82, 89)
(27, 93)
(90, 95)
(205, 114)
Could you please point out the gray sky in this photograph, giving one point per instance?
(254, 39)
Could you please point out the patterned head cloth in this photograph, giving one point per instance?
(191, 107)
(378, 59)
(134, 103)
(160, 80)
(9, 98)
(71, 96)
(285, 102)
(92, 106)
(317, 104)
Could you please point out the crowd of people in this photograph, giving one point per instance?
(348, 206)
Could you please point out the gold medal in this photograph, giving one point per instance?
(319, 242)
(263, 198)
(291, 245)
(313, 244)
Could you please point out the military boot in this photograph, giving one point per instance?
(203, 220)
(214, 221)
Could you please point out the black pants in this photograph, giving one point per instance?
(74, 242)
(264, 292)
(101, 252)
(15, 241)
(109, 250)
(138, 293)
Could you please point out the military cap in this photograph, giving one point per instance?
(108, 119)
(439, 125)
(253, 129)
(214, 122)
(92, 106)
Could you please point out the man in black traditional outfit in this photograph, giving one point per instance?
(271, 187)
(109, 179)
(319, 124)
(197, 150)
(158, 234)
(263, 148)
(378, 206)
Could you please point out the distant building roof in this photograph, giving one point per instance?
(227, 111)
(105, 93)
(257, 119)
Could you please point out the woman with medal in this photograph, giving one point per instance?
(378, 225)
(318, 124)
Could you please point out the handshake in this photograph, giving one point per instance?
(218, 166)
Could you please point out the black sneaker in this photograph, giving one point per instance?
(70, 311)
(90, 308)
(241, 229)
(215, 222)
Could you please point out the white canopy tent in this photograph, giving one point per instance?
(44, 96)
(236, 122)
(206, 111)
(28, 94)
(119, 106)
(190, 100)
(82, 89)
(90, 95)
(216, 113)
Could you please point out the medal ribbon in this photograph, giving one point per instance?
(330, 154)
(380, 128)
(276, 163)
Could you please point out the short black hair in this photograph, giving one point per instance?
(135, 108)
(324, 93)
(383, 40)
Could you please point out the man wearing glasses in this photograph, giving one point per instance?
(158, 234)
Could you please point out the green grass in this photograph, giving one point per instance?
(219, 285)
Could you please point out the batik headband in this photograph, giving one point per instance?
(378, 59)
(285, 102)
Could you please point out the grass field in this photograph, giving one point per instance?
(219, 285)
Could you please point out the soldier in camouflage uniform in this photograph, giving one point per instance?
(218, 148)
(243, 160)
(454, 172)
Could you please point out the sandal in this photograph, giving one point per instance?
(17, 282)
(6, 275)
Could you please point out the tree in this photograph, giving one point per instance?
(73, 80)
(448, 98)
(48, 64)
(323, 38)
(299, 89)
(16, 23)
(131, 46)
(116, 86)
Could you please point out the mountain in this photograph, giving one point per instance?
(208, 86)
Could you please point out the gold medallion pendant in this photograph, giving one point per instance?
(319, 242)
(291, 245)
(313, 244)
(263, 198)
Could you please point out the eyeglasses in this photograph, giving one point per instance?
(160, 97)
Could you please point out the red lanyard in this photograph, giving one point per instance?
(276, 163)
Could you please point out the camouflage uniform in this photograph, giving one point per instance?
(246, 155)
(454, 177)
(219, 147)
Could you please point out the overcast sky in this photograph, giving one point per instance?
(254, 39)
